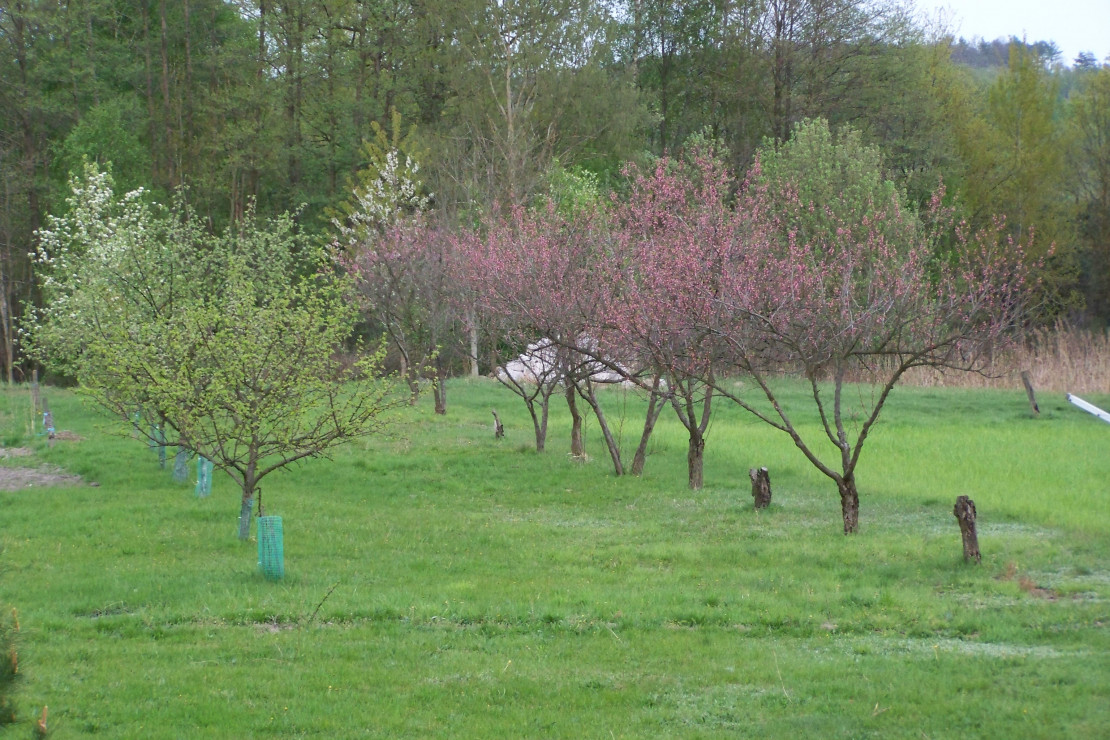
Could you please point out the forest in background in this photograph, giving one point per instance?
(272, 102)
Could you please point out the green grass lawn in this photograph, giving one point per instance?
(480, 590)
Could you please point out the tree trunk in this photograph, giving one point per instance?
(577, 448)
(964, 512)
(245, 514)
(606, 433)
(761, 487)
(782, 70)
(36, 400)
(6, 326)
(849, 504)
(188, 126)
(440, 391)
(151, 115)
(655, 407)
(539, 421)
(167, 109)
(694, 457)
(472, 321)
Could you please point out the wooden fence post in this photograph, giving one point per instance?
(1029, 392)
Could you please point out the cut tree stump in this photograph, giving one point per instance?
(964, 512)
(761, 487)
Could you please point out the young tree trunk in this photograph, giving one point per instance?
(610, 442)
(440, 391)
(6, 324)
(849, 504)
(694, 457)
(167, 109)
(577, 448)
(655, 407)
(245, 514)
(36, 399)
(410, 379)
(964, 512)
(472, 322)
(761, 487)
(539, 422)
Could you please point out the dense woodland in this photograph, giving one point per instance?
(272, 102)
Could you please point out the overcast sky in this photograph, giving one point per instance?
(1075, 25)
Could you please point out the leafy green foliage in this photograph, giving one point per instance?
(836, 176)
(571, 190)
(1015, 155)
(1089, 124)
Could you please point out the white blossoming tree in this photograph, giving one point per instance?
(229, 341)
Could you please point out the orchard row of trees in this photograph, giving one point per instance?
(270, 103)
(816, 266)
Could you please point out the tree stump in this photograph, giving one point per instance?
(761, 487)
(964, 512)
(498, 427)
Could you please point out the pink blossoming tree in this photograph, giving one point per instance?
(837, 280)
(532, 276)
(667, 246)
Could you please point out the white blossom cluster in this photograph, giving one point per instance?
(88, 258)
(384, 200)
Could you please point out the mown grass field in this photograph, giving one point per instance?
(479, 590)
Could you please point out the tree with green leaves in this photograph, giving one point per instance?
(1016, 168)
(1089, 119)
(531, 81)
(231, 344)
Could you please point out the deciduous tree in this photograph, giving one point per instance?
(663, 264)
(535, 277)
(1089, 109)
(233, 342)
(838, 279)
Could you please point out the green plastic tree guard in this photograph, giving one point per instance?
(271, 555)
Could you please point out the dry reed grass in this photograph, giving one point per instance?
(1063, 359)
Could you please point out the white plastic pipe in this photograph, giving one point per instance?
(1090, 408)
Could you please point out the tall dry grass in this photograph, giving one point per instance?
(1063, 359)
